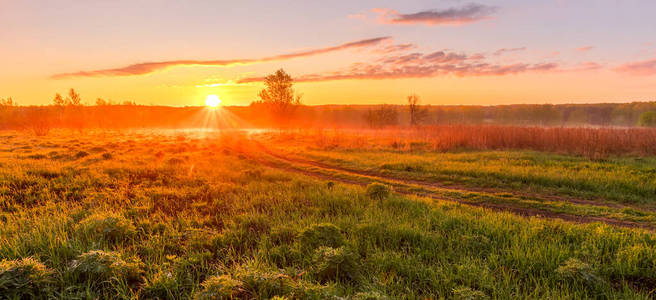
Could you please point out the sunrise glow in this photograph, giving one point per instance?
(212, 101)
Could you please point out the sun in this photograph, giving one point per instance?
(212, 101)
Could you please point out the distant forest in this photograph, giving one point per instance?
(130, 115)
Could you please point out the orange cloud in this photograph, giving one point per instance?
(585, 48)
(150, 67)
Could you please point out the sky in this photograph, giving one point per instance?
(339, 52)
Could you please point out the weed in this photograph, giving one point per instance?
(100, 268)
(321, 235)
(109, 227)
(378, 191)
(336, 264)
(24, 278)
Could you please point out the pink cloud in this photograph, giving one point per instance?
(639, 68)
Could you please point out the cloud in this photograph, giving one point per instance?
(421, 65)
(150, 67)
(395, 48)
(639, 68)
(508, 50)
(585, 48)
(452, 16)
(584, 67)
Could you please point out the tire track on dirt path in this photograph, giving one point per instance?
(455, 188)
(401, 188)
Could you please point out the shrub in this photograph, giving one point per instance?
(467, 293)
(81, 154)
(330, 264)
(220, 287)
(107, 156)
(110, 227)
(577, 271)
(321, 235)
(99, 267)
(23, 279)
(378, 191)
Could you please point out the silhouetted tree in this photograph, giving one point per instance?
(73, 98)
(279, 96)
(6, 112)
(58, 100)
(417, 113)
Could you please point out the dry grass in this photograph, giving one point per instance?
(590, 142)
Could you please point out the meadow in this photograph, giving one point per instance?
(154, 214)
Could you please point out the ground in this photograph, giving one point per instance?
(219, 215)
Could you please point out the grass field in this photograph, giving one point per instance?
(177, 215)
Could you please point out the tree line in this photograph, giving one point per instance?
(279, 105)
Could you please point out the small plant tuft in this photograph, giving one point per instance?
(110, 227)
(378, 191)
(221, 287)
(340, 264)
(321, 235)
(467, 293)
(100, 267)
(81, 154)
(26, 278)
(574, 270)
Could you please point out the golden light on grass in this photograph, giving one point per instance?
(212, 101)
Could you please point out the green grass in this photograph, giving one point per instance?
(628, 180)
(213, 223)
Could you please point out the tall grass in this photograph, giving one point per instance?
(590, 142)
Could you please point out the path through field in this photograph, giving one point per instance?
(278, 160)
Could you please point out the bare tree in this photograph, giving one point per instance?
(58, 100)
(279, 96)
(417, 113)
(74, 98)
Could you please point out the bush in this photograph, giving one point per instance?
(221, 287)
(23, 279)
(109, 227)
(378, 191)
(99, 267)
(81, 154)
(321, 235)
(107, 156)
(577, 271)
(330, 264)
